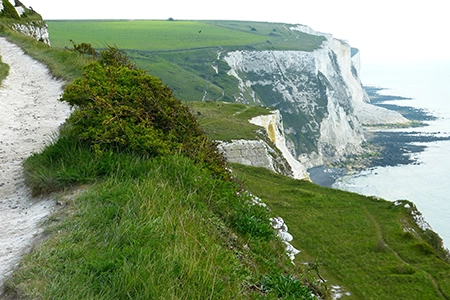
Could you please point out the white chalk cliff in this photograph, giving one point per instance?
(273, 154)
(36, 29)
(318, 93)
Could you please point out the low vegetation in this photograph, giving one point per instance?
(371, 247)
(4, 71)
(226, 121)
(151, 229)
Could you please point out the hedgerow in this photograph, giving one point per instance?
(119, 106)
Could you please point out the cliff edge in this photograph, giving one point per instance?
(319, 94)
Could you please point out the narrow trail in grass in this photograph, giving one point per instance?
(29, 115)
(381, 239)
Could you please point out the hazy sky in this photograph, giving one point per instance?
(381, 29)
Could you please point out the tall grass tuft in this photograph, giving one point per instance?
(4, 70)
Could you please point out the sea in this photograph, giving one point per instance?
(425, 180)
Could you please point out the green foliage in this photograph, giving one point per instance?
(84, 48)
(122, 107)
(286, 287)
(4, 70)
(9, 11)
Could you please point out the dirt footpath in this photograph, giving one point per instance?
(30, 114)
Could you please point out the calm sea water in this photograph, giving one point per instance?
(426, 183)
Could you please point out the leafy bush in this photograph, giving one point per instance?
(120, 106)
(9, 11)
(4, 70)
(84, 48)
(286, 287)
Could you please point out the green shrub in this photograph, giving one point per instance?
(4, 70)
(403, 269)
(84, 48)
(285, 287)
(425, 248)
(9, 11)
(122, 107)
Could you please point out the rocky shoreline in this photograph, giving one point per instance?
(384, 147)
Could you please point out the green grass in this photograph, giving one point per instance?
(149, 229)
(147, 35)
(153, 35)
(227, 121)
(360, 242)
(4, 70)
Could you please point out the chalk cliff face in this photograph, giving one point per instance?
(36, 29)
(272, 154)
(25, 20)
(318, 93)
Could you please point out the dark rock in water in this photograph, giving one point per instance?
(397, 147)
(325, 176)
(411, 113)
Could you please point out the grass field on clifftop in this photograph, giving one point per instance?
(184, 54)
(154, 35)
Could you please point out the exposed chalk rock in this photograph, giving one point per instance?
(36, 29)
(318, 93)
(273, 124)
(282, 230)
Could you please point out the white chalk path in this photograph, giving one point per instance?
(30, 114)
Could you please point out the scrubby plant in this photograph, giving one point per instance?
(120, 106)
(4, 70)
(9, 11)
(84, 48)
(285, 287)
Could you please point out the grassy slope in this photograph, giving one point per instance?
(147, 229)
(226, 121)
(360, 242)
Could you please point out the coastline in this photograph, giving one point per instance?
(387, 146)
